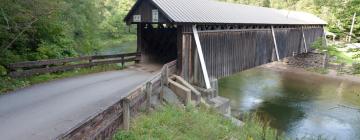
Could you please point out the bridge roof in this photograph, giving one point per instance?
(211, 11)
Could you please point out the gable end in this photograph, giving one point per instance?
(144, 11)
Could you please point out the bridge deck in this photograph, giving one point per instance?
(46, 110)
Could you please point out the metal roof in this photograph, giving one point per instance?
(211, 11)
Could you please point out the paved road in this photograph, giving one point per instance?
(44, 111)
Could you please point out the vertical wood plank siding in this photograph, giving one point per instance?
(229, 52)
(145, 10)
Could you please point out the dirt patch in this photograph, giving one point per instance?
(308, 60)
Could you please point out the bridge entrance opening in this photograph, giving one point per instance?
(158, 43)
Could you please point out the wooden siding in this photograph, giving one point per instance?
(312, 34)
(145, 10)
(227, 52)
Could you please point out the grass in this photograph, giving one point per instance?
(342, 55)
(172, 123)
(10, 84)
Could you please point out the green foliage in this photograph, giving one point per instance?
(3, 70)
(319, 44)
(10, 84)
(114, 26)
(338, 13)
(192, 123)
(332, 50)
(47, 29)
(356, 68)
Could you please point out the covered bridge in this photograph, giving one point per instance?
(217, 39)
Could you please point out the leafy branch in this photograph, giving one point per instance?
(5, 18)
(26, 28)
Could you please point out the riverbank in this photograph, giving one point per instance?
(171, 122)
(289, 66)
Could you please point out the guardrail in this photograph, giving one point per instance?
(30, 68)
(105, 123)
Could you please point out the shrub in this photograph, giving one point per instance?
(3, 71)
(356, 68)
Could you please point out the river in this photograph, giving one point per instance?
(300, 105)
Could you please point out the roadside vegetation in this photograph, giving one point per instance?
(169, 123)
(11, 84)
(53, 29)
(337, 54)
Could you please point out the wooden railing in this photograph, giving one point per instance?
(30, 68)
(105, 123)
(141, 96)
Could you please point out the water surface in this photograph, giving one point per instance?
(300, 105)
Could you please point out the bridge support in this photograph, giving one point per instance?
(201, 57)
(149, 86)
(275, 43)
(304, 39)
(126, 114)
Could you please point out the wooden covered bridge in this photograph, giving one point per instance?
(216, 39)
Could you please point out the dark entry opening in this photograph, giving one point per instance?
(159, 44)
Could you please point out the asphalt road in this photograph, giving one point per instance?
(44, 111)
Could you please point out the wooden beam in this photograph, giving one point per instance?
(304, 39)
(276, 47)
(149, 86)
(352, 27)
(126, 114)
(201, 57)
(181, 91)
(324, 36)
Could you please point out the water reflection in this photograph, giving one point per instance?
(301, 105)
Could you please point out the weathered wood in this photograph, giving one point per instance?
(304, 40)
(122, 61)
(33, 67)
(195, 94)
(148, 89)
(201, 56)
(164, 82)
(181, 91)
(215, 86)
(30, 64)
(126, 114)
(104, 124)
(113, 56)
(145, 11)
(26, 73)
(275, 43)
(230, 52)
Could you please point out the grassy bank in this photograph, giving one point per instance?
(10, 84)
(171, 123)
